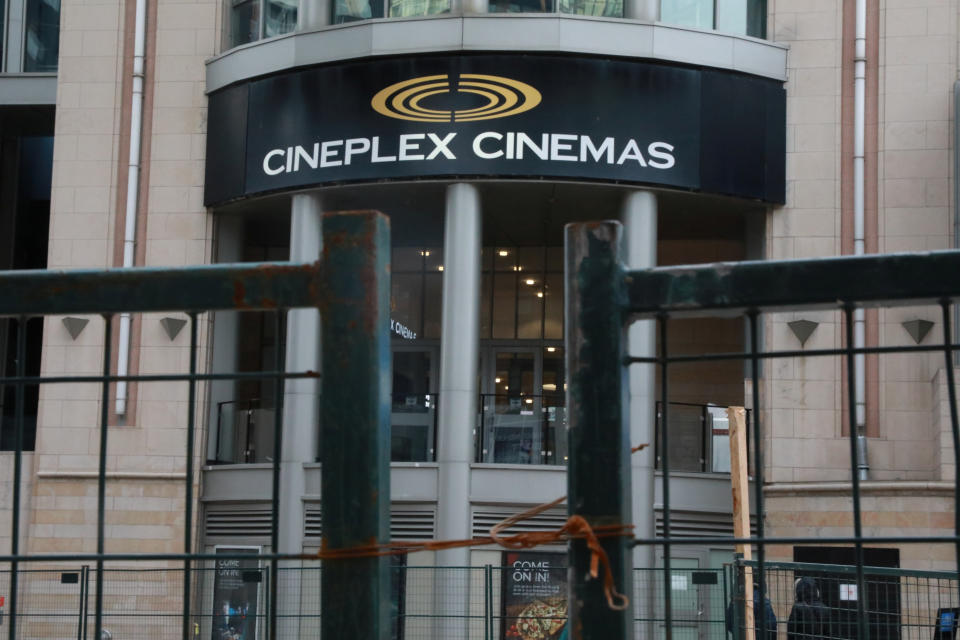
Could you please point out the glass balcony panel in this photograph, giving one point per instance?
(522, 429)
(41, 45)
(244, 432)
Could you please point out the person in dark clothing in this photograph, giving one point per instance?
(765, 623)
(809, 617)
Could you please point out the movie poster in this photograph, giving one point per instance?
(236, 591)
(534, 602)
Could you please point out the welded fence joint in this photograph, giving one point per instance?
(238, 287)
(731, 288)
(598, 475)
(355, 422)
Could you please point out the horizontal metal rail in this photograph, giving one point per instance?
(240, 287)
(731, 288)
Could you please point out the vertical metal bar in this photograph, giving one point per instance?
(277, 454)
(83, 596)
(188, 516)
(86, 600)
(487, 601)
(759, 608)
(21, 368)
(102, 474)
(954, 430)
(598, 477)
(863, 630)
(665, 476)
(355, 415)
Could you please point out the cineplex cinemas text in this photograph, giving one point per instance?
(488, 145)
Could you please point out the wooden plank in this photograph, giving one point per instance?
(737, 417)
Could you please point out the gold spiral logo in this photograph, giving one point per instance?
(504, 97)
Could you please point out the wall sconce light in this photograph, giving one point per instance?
(172, 326)
(803, 329)
(75, 325)
(918, 329)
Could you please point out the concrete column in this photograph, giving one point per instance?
(459, 354)
(229, 249)
(642, 9)
(301, 411)
(639, 217)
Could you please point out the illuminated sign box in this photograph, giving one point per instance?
(499, 116)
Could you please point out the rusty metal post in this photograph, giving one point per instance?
(355, 422)
(598, 477)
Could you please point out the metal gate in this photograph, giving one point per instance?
(604, 298)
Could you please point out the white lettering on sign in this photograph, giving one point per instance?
(488, 145)
(527, 571)
(403, 331)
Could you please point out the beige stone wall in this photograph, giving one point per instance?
(917, 67)
(910, 509)
(145, 450)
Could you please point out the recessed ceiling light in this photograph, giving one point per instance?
(531, 281)
(440, 268)
(503, 253)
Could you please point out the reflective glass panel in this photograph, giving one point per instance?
(513, 427)
(244, 22)
(732, 16)
(609, 8)
(412, 407)
(553, 307)
(406, 300)
(41, 44)
(3, 29)
(352, 10)
(530, 306)
(504, 305)
(280, 17)
(520, 6)
(406, 8)
(689, 13)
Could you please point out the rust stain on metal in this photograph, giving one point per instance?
(239, 295)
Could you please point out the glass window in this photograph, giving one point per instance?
(407, 8)
(244, 22)
(280, 17)
(504, 305)
(3, 30)
(352, 10)
(609, 8)
(530, 307)
(413, 407)
(407, 300)
(519, 6)
(522, 298)
(416, 291)
(41, 35)
(732, 16)
(688, 13)
(743, 17)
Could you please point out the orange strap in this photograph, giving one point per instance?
(576, 528)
